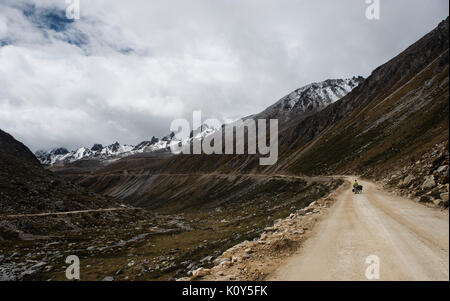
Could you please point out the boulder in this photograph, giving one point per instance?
(438, 202)
(408, 180)
(201, 272)
(428, 183)
(444, 196)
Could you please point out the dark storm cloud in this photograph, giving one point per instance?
(128, 68)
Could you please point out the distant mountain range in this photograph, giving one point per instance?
(115, 151)
(299, 104)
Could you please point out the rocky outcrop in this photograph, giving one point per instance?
(426, 178)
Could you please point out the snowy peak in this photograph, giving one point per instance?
(310, 99)
(316, 94)
(62, 155)
(293, 107)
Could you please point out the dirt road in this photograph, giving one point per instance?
(411, 241)
(68, 212)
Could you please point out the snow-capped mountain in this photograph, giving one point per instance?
(61, 156)
(297, 105)
(309, 99)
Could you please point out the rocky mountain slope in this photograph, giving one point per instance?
(26, 187)
(399, 113)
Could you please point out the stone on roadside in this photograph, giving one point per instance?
(429, 183)
(201, 272)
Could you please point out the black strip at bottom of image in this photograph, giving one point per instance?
(221, 290)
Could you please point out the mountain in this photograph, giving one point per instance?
(62, 155)
(297, 105)
(390, 120)
(26, 187)
(399, 112)
(309, 99)
(393, 127)
(107, 154)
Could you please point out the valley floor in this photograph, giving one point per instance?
(410, 240)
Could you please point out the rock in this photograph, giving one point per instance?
(245, 257)
(313, 204)
(300, 231)
(425, 199)
(48, 268)
(227, 263)
(132, 263)
(444, 197)
(428, 183)
(301, 212)
(108, 278)
(270, 229)
(16, 254)
(206, 259)
(309, 210)
(118, 272)
(438, 202)
(292, 216)
(60, 205)
(90, 249)
(191, 266)
(248, 250)
(223, 260)
(38, 265)
(408, 180)
(442, 169)
(201, 272)
(184, 279)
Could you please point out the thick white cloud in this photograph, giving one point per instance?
(137, 64)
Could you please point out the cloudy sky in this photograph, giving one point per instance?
(126, 69)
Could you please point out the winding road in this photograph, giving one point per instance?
(373, 236)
